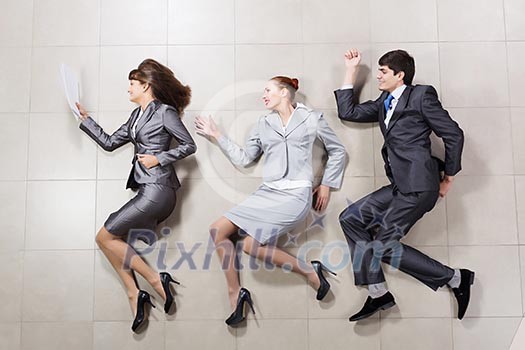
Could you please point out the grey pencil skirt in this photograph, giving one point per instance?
(268, 213)
(152, 204)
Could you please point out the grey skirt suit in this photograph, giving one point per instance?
(153, 133)
(271, 211)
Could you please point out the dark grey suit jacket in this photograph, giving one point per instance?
(406, 151)
(158, 125)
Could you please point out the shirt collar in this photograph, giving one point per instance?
(398, 92)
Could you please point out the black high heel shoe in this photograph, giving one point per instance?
(239, 314)
(165, 279)
(324, 286)
(142, 299)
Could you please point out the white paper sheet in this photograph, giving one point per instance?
(71, 90)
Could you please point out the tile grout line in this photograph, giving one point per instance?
(23, 253)
(374, 137)
(96, 171)
(303, 70)
(268, 43)
(236, 346)
(451, 307)
(513, 153)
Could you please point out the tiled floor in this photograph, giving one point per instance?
(57, 188)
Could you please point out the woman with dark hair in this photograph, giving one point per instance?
(151, 127)
(286, 136)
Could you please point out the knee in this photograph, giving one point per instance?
(214, 233)
(249, 245)
(348, 220)
(101, 238)
(389, 240)
(348, 215)
(213, 230)
(246, 245)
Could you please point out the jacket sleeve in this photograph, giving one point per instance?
(347, 109)
(186, 146)
(442, 124)
(242, 156)
(335, 165)
(108, 142)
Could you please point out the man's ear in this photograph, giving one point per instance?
(400, 75)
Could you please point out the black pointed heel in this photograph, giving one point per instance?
(239, 314)
(166, 279)
(324, 286)
(142, 299)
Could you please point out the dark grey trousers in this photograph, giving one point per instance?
(373, 227)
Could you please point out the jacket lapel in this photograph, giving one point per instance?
(382, 114)
(148, 113)
(300, 115)
(275, 122)
(400, 108)
(132, 120)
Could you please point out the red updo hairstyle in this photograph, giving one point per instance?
(291, 84)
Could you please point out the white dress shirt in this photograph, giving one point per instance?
(397, 94)
(133, 129)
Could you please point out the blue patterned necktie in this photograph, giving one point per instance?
(387, 102)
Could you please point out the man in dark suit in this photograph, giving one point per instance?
(373, 226)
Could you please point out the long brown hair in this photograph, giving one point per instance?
(165, 87)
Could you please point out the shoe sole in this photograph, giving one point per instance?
(384, 307)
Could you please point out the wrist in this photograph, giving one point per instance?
(216, 135)
(349, 77)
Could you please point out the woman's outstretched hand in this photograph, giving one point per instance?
(83, 112)
(205, 126)
(323, 196)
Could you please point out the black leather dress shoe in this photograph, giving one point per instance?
(373, 305)
(462, 293)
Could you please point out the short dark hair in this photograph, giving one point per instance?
(400, 61)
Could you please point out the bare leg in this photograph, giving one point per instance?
(221, 231)
(126, 276)
(115, 249)
(280, 258)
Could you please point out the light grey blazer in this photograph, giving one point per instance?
(158, 125)
(288, 155)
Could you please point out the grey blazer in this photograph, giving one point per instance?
(289, 154)
(154, 132)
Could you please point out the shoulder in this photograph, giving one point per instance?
(307, 111)
(134, 112)
(424, 90)
(167, 111)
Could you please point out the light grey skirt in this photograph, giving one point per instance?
(152, 204)
(268, 213)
